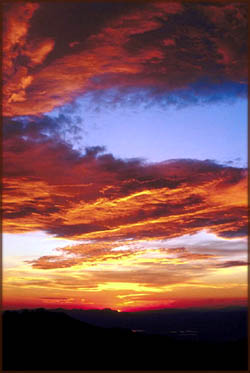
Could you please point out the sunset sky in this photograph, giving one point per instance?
(124, 154)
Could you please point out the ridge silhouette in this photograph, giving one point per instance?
(51, 340)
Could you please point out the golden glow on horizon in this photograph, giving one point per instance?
(145, 281)
(116, 272)
(117, 216)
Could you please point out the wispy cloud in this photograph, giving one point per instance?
(145, 233)
(48, 186)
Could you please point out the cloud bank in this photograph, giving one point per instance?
(172, 51)
(49, 186)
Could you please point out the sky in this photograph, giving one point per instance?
(124, 154)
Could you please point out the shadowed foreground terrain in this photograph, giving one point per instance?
(46, 340)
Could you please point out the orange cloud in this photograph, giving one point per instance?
(20, 54)
(128, 282)
(122, 212)
(128, 50)
(37, 53)
(101, 255)
(16, 25)
(48, 186)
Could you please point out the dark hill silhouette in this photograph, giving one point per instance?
(204, 324)
(45, 340)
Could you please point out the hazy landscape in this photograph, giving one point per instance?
(203, 339)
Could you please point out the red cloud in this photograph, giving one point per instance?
(48, 186)
(16, 27)
(157, 45)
